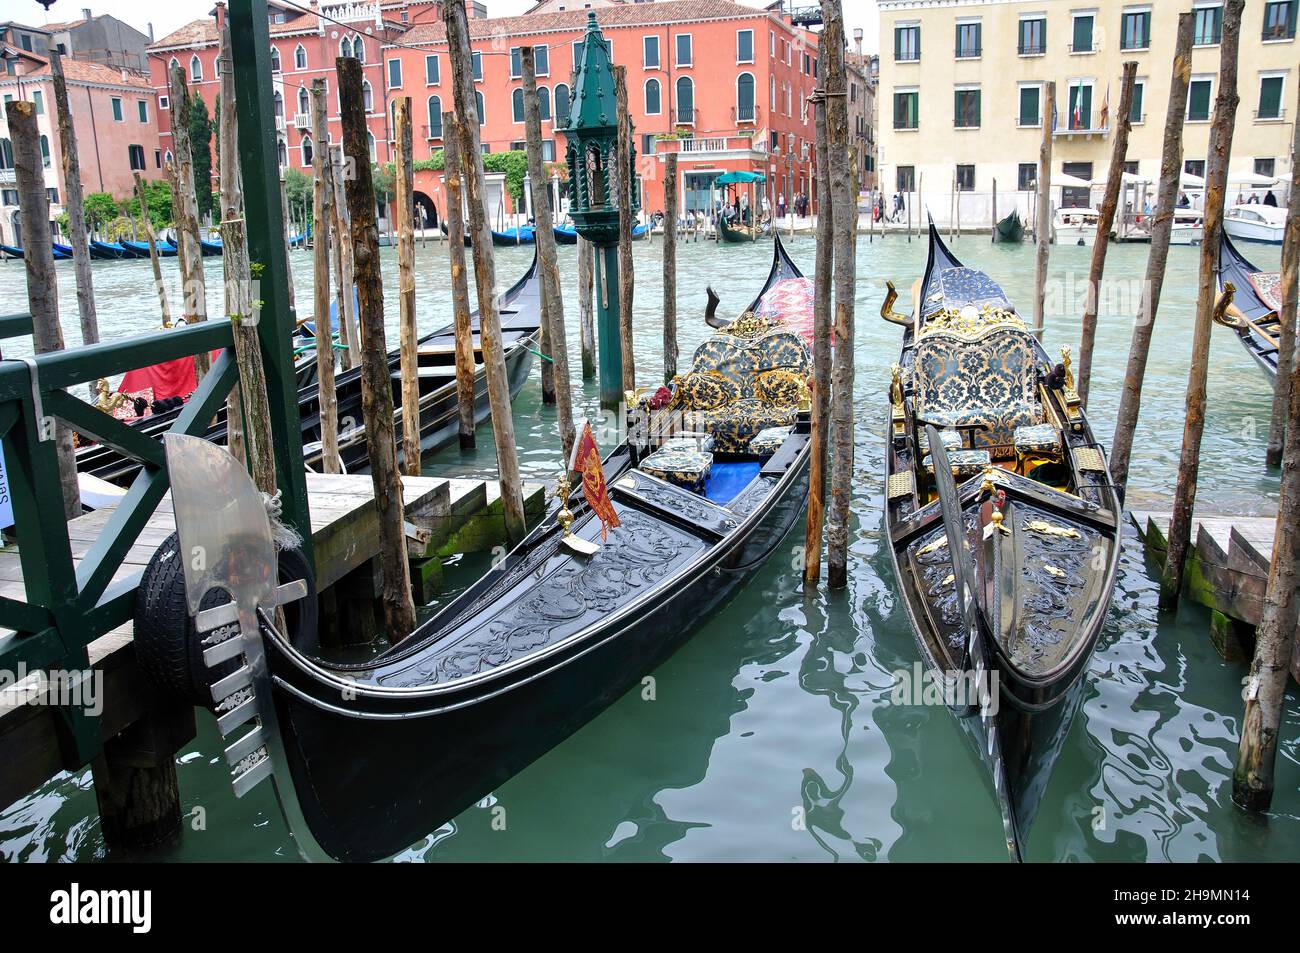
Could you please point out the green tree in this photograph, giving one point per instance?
(100, 208)
(201, 146)
(159, 196)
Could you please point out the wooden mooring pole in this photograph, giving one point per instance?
(376, 387)
(1216, 181)
(409, 335)
(503, 425)
(72, 200)
(185, 208)
(453, 179)
(670, 266)
(843, 200)
(322, 199)
(1286, 340)
(626, 221)
(154, 259)
(1171, 169)
(231, 208)
(293, 230)
(821, 396)
(42, 282)
(544, 235)
(1097, 267)
(349, 332)
(1043, 228)
(1252, 778)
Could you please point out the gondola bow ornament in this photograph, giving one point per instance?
(586, 463)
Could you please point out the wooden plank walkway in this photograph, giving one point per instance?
(345, 534)
(1227, 572)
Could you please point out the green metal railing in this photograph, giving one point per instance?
(68, 606)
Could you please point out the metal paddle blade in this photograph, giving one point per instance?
(954, 527)
(225, 534)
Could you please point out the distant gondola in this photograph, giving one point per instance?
(1010, 229)
(103, 251)
(565, 234)
(10, 251)
(209, 249)
(164, 249)
(369, 757)
(443, 226)
(520, 321)
(1253, 313)
(524, 235)
(737, 234)
(1006, 557)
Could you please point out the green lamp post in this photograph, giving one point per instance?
(594, 197)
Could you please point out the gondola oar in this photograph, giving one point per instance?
(977, 661)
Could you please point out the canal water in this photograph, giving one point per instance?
(771, 735)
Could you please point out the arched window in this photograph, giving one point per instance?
(278, 100)
(172, 64)
(6, 154)
(478, 105)
(345, 46)
(745, 97)
(652, 103)
(435, 118)
(374, 152)
(517, 105)
(300, 57)
(544, 103)
(685, 100)
(304, 103)
(367, 97)
(167, 159)
(282, 153)
(275, 60)
(45, 151)
(306, 150)
(196, 69)
(562, 105)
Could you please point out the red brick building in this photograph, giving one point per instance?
(726, 85)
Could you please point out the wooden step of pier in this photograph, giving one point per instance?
(1227, 572)
(345, 534)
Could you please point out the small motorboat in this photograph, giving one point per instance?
(1188, 228)
(1255, 223)
(1075, 226)
(1003, 525)
(1256, 302)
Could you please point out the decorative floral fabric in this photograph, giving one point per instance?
(989, 380)
(790, 303)
(964, 463)
(768, 440)
(734, 425)
(1042, 438)
(951, 440)
(959, 287)
(683, 467)
(704, 390)
(688, 441)
(748, 325)
(781, 387)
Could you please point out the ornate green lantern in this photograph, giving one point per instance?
(594, 197)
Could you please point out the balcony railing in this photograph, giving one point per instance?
(685, 117)
(1090, 47)
(8, 176)
(1278, 33)
(969, 52)
(741, 114)
(1031, 49)
(433, 132)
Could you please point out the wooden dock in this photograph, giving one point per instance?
(443, 516)
(1227, 572)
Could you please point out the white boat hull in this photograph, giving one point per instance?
(1253, 231)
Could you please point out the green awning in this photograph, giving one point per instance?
(727, 178)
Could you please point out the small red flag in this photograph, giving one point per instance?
(586, 462)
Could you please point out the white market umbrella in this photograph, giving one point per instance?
(1061, 180)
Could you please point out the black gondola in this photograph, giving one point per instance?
(1253, 312)
(736, 234)
(520, 323)
(443, 226)
(1010, 229)
(368, 758)
(1030, 499)
(103, 251)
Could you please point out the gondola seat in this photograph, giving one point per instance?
(985, 382)
(769, 440)
(682, 466)
(1038, 438)
(951, 440)
(965, 463)
(739, 386)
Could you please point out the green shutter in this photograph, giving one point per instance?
(1135, 111)
(1082, 33)
(1198, 100)
(1270, 97)
(1029, 105)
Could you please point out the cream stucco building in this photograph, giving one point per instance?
(961, 92)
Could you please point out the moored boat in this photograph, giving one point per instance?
(743, 233)
(141, 249)
(1010, 229)
(1075, 226)
(103, 251)
(1255, 223)
(1003, 525)
(439, 420)
(1256, 302)
(368, 758)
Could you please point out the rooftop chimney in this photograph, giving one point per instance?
(219, 11)
(85, 13)
(857, 39)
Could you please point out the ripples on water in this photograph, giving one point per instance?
(771, 735)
